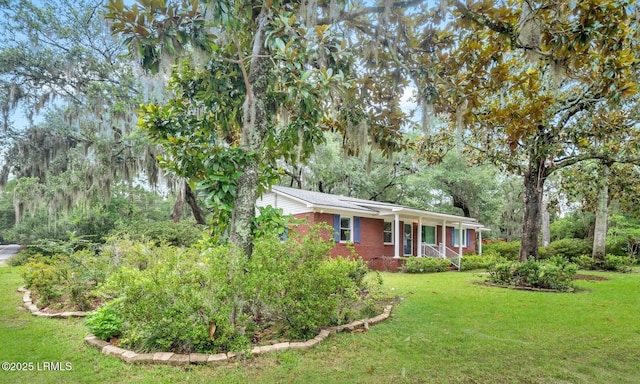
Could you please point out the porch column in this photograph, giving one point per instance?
(443, 239)
(460, 245)
(460, 239)
(419, 236)
(396, 240)
(480, 243)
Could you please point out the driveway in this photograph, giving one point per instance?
(8, 250)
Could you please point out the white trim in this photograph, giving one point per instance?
(396, 244)
(350, 229)
(419, 246)
(385, 231)
(462, 239)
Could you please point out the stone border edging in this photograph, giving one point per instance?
(28, 303)
(171, 358)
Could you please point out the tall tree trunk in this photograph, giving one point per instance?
(602, 214)
(534, 179)
(546, 230)
(254, 128)
(190, 197)
(176, 213)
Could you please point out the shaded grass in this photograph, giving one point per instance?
(445, 330)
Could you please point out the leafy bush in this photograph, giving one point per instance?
(212, 298)
(556, 273)
(616, 263)
(425, 265)
(569, 248)
(508, 250)
(575, 225)
(166, 306)
(44, 277)
(106, 321)
(66, 280)
(586, 262)
(181, 234)
(471, 262)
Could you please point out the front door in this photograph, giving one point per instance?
(408, 239)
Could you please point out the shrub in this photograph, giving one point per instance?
(569, 248)
(213, 298)
(471, 262)
(181, 234)
(616, 263)
(106, 322)
(425, 265)
(556, 273)
(44, 276)
(507, 250)
(167, 306)
(609, 263)
(66, 280)
(585, 262)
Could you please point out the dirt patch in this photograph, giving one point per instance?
(589, 277)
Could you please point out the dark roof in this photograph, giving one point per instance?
(368, 206)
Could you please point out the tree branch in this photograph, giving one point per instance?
(345, 16)
(500, 27)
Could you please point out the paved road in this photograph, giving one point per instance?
(8, 250)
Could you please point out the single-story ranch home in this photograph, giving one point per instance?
(381, 233)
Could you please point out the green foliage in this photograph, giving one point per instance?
(44, 277)
(271, 221)
(617, 263)
(211, 298)
(508, 250)
(614, 263)
(575, 225)
(425, 265)
(166, 306)
(624, 236)
(297, 282)
(471, 262)
(569, 248)
(65, 280)
(181, 234)
(556, 274)
(106, 322)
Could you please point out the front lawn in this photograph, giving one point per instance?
(445, 330)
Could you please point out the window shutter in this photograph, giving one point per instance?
(356, 229)
(336, 228)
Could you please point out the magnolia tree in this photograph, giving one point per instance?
(530, 85)
(260, 80)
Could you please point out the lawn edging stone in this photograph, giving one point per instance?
(31, 307)
(171, 358)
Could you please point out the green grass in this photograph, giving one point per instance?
(445, 330)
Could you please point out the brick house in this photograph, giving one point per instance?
(381, 233)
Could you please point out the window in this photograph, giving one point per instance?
(428, 235)
(345, 229)
(456, 237)
(388, 232)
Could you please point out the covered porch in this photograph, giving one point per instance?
(426, 234)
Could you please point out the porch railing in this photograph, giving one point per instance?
(441, 251)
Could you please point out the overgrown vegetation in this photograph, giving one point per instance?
(425, 265)
(610, 262)
(209, 298)
(555, 274)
